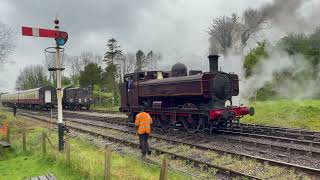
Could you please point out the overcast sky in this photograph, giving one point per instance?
(176, 28)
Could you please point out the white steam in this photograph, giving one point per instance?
(265, 72)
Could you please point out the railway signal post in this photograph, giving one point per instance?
(59, 89)
(61, 38)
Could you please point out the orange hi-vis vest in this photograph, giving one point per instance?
(143, 121)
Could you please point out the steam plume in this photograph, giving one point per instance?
(286, 15)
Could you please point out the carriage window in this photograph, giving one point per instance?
(159, 75)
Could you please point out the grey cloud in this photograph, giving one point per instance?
(176, 28)
(82, 17)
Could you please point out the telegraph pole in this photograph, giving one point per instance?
(59, 91)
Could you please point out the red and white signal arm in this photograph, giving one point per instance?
(61, 37)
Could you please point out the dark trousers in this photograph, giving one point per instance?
(144, 146)
(14, 111)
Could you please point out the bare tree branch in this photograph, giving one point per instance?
(32, 77)
(232, 33)
(6, 42)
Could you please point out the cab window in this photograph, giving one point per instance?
(141, 76)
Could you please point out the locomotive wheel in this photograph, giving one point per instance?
(191, 123)
(165, 121)
(214, 126)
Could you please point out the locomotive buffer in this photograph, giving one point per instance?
(60, 38)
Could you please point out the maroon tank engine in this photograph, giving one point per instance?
(177, 99)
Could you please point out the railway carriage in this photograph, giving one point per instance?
(43, 97)
(9, 99)
(196, 101)
(77, 98)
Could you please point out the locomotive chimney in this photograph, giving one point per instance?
(213, 62)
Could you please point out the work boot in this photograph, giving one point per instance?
(143, 156)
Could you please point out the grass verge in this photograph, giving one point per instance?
(87, 160)
(104, 107)
(287, 113)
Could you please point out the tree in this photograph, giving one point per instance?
(306, 45)
(77, 64)
(232, 32)
(109, 77)
(253, 21)
(112, 57)
(33, 76)
(314, 51)
(66, 81)
(223, 33)
(140, 60)
(254, 57)
(6, 42)
(89, 57)
(152, 60)
(293, 79)
(113, 51)
(129, 63)
(50, 62)
(91, 75)
(294, 43)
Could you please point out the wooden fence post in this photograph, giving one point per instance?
(44, 143)
(24, 139)
(8, 132)
(164, 169)
(107, 163)
(68, 149)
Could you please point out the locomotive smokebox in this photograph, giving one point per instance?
(213, 62)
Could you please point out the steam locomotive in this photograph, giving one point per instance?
(177, 100)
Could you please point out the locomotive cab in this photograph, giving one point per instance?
(130, 87)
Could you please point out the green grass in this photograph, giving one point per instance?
(106, 102)
(87, 159)
(104, 107)
(25, 165)
(287, 113)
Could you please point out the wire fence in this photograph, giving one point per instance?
(41, 143)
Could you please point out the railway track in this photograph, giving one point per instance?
(309, 170)
(281, 129)
(226, 172)
(288, 138)
(310, 151)
(251, 130)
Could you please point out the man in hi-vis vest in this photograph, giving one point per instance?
(143, 122)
